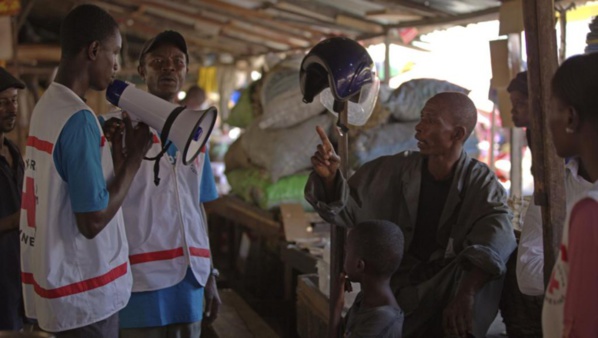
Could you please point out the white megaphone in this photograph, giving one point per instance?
(188, 129)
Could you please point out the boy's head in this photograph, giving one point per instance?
(89, 36)
(374, 248)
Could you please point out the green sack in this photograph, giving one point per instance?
(254, 186)
(242, 113)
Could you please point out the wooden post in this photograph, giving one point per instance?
(338, 234)
(517, 135)
(548, 167)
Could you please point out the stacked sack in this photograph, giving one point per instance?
(269, 164)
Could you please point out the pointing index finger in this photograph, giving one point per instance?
(325, 141)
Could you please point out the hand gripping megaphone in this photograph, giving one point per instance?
(188, 129)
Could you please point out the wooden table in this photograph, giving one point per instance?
(246, 215)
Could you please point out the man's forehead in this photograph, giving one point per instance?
(434, 106)
(8, 92)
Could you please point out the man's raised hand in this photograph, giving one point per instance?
(325, 160)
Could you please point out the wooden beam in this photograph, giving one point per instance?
(324, 12)
(301, 10)
(259, 17)
(362, 25)
(271, 39)
(415, 6)
(540, 37)
(148, 31)
(324, 29)
(394, 15)
(478, 16)
(43, 72)
(254, 38)
(38, 53)
(272, 35)
(409, 8)
(356, 8)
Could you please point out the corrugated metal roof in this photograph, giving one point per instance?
(250, 27)
(243, 28)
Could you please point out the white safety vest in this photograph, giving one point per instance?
(69, 281)
(166, 225)
(553, 311)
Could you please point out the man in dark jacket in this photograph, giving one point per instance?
(451, 208)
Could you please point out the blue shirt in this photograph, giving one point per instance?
(78, 160)
(181, 303)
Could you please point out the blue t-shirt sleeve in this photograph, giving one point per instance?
(78, 160)
(207, 188)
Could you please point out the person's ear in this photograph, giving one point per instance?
(141, 71)
(360, 265)
(573, 121)
(93, 49)
(460, 133)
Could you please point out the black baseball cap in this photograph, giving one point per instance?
(9, 81)
(171, 37)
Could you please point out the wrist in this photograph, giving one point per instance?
(133, 162)
(214, 273)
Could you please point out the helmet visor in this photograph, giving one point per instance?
(359, 112)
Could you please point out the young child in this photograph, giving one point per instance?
(374, 251)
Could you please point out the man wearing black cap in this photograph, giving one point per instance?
(165, 223)
(11, 184)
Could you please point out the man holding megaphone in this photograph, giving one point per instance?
(165, 223)
(74, 255)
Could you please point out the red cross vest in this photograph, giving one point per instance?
(69, 281)
(166, 225)
(553, 311)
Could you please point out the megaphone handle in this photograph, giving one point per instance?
(164, 139)
(157, 162)
(160, 154)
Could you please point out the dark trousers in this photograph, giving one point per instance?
(425, 302)
(11, 295)
(107, 328)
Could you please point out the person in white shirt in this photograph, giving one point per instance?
(530, 255)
